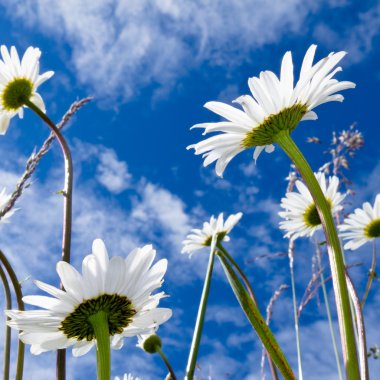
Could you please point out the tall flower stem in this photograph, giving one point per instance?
(294, 297)
(241, 273)
(335, 254)
(20, 304)
(362, 342)
(166, 361)
(328, 312)
(371, 274)
(99, 322)
(67, 212)
(7, 335)
(251, 294)
(192, 360)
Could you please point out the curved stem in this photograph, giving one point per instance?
(18, 292)
(335, 254)
(371, 275)
(251, 294)
(242, 275)
(166, 361)
(296, 319)
(364, 375)
(67, 213)
(328, 312)
(7, 336)
(192, 360)
(99, 322)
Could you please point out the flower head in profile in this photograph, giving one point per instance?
(19, 81)
(301, 216)
(4, 198)
(120, 288)
(199, 239)
(276, 104)
(127, 377)
(362, 225)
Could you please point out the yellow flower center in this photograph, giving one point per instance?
(119, 311)
(372, 230)
(16, 93)
(311, 216)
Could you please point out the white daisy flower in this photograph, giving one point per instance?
(276, 104)
(301, 215)
(19, 81)
(119, 287)
(127, 377)
(199, 239)
(4, 198)
(362, 225)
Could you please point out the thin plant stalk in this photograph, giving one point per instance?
(241, 273)
(20, 304)
(256, 319)
(294, 297)
(166, 361)
(99, 322)
(328, 312)
(335, 254)
(7, 336)
(371, 275)
(251, 294)
(363, 358)
(67, 212)
(192, 360)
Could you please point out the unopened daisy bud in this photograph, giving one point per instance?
(151, 344)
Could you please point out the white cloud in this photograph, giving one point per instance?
(357, 40)
(120, 47)
(112, 173)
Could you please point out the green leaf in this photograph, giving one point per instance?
(257, 321)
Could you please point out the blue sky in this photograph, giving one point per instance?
(151, 65)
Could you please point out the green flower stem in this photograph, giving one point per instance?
(335, 254)
(244, 278)
(251, 294)
(166, 361)
(253, 297)
(371, 274)
(362, 342)
(7, 336)
(67, 212)
(328, 312)
(99, 322)
(20, 304)
(257, 321)
(294, 297)
(192, 360)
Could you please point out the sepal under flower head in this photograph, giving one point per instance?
(362, 225)
(301, 218)
(216, 227)
(120, 288)
(19, 81)
(276, 104)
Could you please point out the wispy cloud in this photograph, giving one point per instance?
(118, 48)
